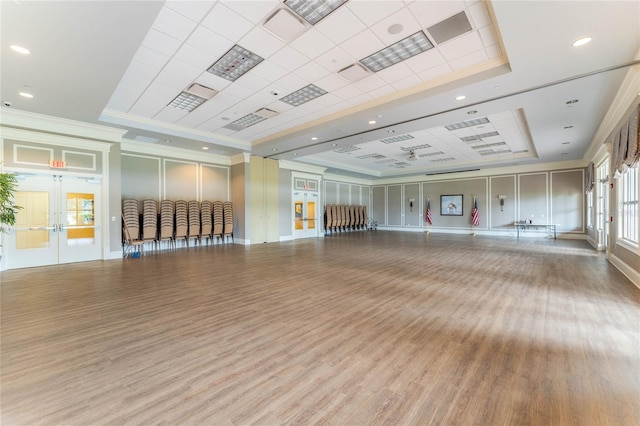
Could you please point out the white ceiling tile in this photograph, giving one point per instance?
(128, 91)
(261, 42)
(225, 132)
(202, 114)
(479, 15)
(312, 72)
(362, 44)
(371, 82)
(257, 101)
(382, 91)
(268, 70)
(425, 60)
(254, 11)
(406, 82)
(327, 100)
(194, 57)
(431, 12)
(171, 83)
(494, 51)
(238, 91)
(150, 103)
(151, 57)
(488, 36)
(335, 59)
(461, 46)
(160, 42)
(169, 115)
(194, 10)
(347, 92)
(141, 70)
(331, 82)
(280, 106)
(225, 21)
(403, 17)
(470, 59)
(252, 82)
(395, 72)
(289, 58)
(213, 81)
(208, 41)
(358, 100)
(173, 24)
(291, 83)
(340, 25)
(435, 72)
(181, 69)
(312, 43)
(371, 12)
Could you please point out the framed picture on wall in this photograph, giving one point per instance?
(451, 205)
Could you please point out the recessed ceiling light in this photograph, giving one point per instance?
(295, 153)
(581, 42)
(397, 52)
(235, 63)
(471, 112)
(391, 131)
(274, 149)
(460, 98)
(205, 148)
(314, 138)
(313, 11)
(372, 121)
(26, 95)
(334, 144)
(303, 95)
(20, 49)
(187, 101)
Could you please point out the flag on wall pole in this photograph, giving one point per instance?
(427, 214)
(475, 219)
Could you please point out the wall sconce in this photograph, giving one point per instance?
(501, 198)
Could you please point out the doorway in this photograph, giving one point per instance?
(305, 214)
(59, 221)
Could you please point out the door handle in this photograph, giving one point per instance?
(61, 227)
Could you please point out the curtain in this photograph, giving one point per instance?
(625, 146)
(589, 181)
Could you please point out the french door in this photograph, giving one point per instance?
(305, 214)
(59, 221)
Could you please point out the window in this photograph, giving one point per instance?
(629, 205)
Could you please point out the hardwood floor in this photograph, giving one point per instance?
(360, 328)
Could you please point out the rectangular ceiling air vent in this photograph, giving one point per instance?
(478, 137)
(469, 123)
(266, 113)
(346, 149)
(398, 138)
(202, 91)
(450, 28)
(397, 52)
(244, 122)
(415, 147)
(388, 160)
(186, 101)
(492, 152)
(488, 145)
(313, 11)
(235, 63)
(439, 160)
(367, 156)
(431, 154)
(306, 94)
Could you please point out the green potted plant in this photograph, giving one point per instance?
(8, 209)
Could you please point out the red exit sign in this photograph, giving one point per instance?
(57, 164)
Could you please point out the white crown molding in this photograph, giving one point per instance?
(130, 146)
(46, 138)
(243, 157)
(346, 179)
(127, 120)
(62, 126)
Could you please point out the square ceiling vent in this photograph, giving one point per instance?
(284, 25)
(354, 72)
(450, 28)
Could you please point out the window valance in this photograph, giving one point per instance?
(625, 148)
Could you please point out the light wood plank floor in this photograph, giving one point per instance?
(361, 328)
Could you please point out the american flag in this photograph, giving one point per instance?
(474, 213)
(427, 215)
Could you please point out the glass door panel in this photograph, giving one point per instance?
(79, 227)
(311, 215)
(305, 215)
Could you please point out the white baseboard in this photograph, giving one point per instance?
(627, 271)
(113, 255)
(286, 238)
